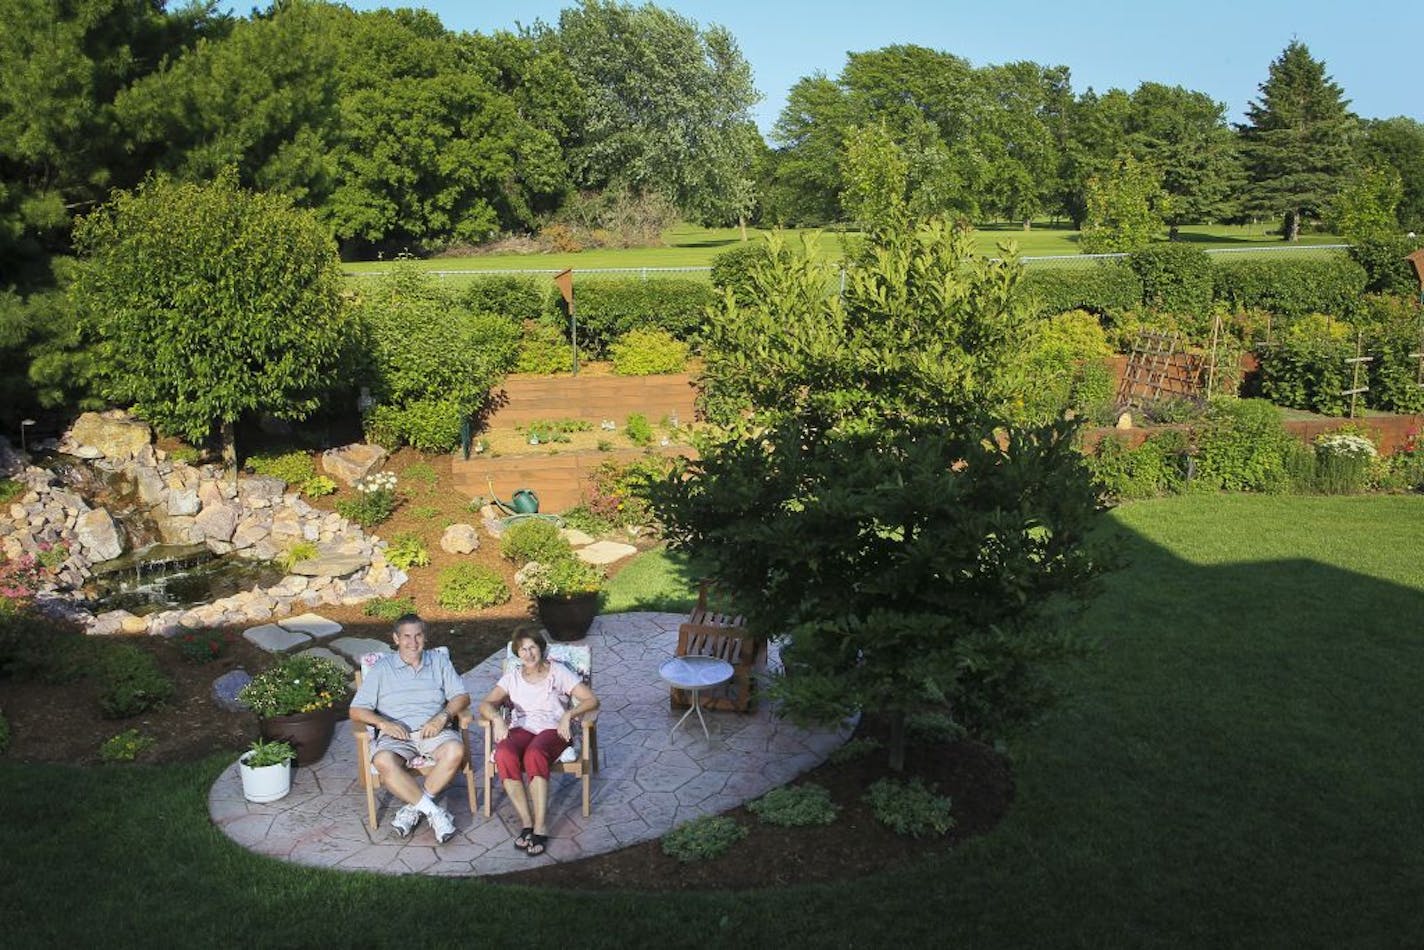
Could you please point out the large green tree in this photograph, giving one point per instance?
(1399, 144)
(667, 108)
(203, 303)
(1126, 208)
(868, 501)
(1297, 141)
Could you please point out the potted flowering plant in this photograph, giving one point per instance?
(266, 770)
(296, 701)
(565, 592)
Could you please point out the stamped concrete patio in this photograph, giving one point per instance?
(648, 782)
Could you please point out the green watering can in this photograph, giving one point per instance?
(522, 502)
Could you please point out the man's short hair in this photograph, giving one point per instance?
(412, 618)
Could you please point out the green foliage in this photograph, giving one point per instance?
(389, 608)
(638, 430)
(543, 349)
(432, 362)
(1156, 467)
(561, 576)
(425, 512)
(621, 491)
(1365, 208)
(126, 746)
(867, 488)
(296, 684)
(1065, 361)
(555, 430)
(201, 646)
(506, 295)
(533, 539)
(731, 268)
(263, 753)
(206, 303)
(318, 486)
(796, 806)
(186, 454)
(10, 490)
(852, 750)
(1394, 374)
(1126, 207)
(1175, 277)
(300, 551)
(294, 468)
(609, 308)
(909, 808)
(648, 352)
(702, 838)
(1306, 367)
(581, 518)
(421, 472)
(4, 733)
(1291, 287)
(130, 682)
(375, 500)
(406, 550)
(470, 587)
(1383, 257)
(1102, 287)
(1242, 446)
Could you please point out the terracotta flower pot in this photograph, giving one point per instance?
(309, 733)
(567, 617)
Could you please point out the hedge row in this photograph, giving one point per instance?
(609, 308)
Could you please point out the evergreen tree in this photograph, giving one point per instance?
(1297, 144)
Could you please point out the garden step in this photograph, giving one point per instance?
(274, 639)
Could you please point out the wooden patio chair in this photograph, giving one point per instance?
(581, 758)
(365, 736)
(709, 632)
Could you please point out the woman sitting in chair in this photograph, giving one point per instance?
(538, 731)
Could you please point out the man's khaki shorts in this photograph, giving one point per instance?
(414, 748)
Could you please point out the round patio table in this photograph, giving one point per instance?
(694, 673)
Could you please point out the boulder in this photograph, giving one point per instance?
(351, 463)
(99, 535)
(1124, 421)
(152, 489)
(108, 435)
(332, 565)
(460, 539)
(178, 530)
(184, 501)
(226, 688)
(217, 522)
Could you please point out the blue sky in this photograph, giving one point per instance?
(1371, 48)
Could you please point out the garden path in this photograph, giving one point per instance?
(648, 781)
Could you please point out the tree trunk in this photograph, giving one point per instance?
(1293, 229)
(228, 437)
(1028, 224)
(1173, 232)
(897, 741)
(742, 223)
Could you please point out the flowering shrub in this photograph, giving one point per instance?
(200, 646)
(560, 577)
(297, 684)
(619, 493)
(53, 556)
(19, 579)
(1345, 445)
(1342, 463)
(375, 503)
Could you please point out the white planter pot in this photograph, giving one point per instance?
(266, 783)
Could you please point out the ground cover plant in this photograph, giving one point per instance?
(1236, 739)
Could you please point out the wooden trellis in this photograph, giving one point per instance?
(1159, 368)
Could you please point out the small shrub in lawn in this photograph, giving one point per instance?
(294, 468)
(1156, 467)
(389, 608)
(470, 587)
(909, 808)
(854, 749)
(200, 646)
(533, 539)
(131, 682)
(638, 430)
(318, 486)
(126, 746)
(422, 473)
(301, 551)
(406, 550)
(796, 806)
(648, 352)
(702, 838)
(10, 490)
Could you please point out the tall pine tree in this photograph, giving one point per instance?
(1297, 143)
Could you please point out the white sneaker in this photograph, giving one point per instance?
(443, 825)
(405, 821)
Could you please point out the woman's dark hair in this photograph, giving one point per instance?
(531, 633)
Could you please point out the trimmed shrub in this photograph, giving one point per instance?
(131, 681)
(1291, 287)
(1101, 287)
(1175, 277)
(1305, 367)
(506, 295)
(909, 808)
(1065, 364)
(731, 269)
(607, 309)
(702, 838)
(1382, 258)
(533, 539)
(543, 349)
(648, 353)
(1242, 446)
(470, 587)
(1156, 467)
(797, 806)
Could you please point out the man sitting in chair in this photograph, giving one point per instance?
(413, 698)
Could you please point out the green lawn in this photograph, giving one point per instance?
(690, 246)
(1239, 766)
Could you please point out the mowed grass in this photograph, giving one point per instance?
(1239, 765)
(689, 246)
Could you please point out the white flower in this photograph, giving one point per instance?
(1345, 445)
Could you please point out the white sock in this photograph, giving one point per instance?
(427, 806)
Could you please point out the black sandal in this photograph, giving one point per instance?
(536, 842)
(522, 842)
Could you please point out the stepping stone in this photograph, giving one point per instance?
(226, 687)
(274, 639)
(606, 552)
(332, 565)
(353, 648)
(326, 654)
(575, 537)
(313, 625)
